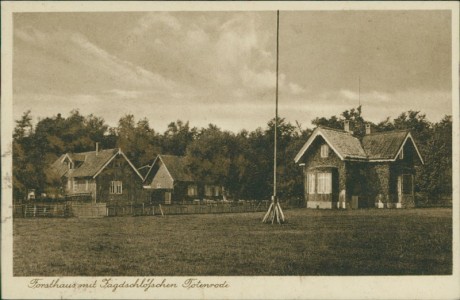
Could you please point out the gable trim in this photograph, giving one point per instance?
(409, 136)
(150, 169)
(153, 164)
(310, 141)
(66, 156)
(130, 163)
(166, 167)
(110, 160)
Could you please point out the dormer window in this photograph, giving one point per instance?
(324, 151)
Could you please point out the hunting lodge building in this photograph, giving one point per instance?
(342, 171)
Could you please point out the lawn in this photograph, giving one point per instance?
(312, 242)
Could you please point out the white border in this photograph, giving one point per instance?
(292, 287)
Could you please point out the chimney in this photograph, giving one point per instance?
(346, 125)
(368, 128)
(97, 148)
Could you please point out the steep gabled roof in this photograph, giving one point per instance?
(343, 143)
(382, 146)
(59, 167)
(387, 145)
(176, 166)
(91, 164)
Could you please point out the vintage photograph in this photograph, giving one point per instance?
(231, 143)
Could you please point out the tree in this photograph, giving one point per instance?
(177, 137)
(354, 115)
(435, 178)
(215, 156)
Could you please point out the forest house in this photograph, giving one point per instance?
(169, 181)
(343, 171)
(99, 176)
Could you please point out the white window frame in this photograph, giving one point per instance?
(216, 191)
(311, 183)
(324, 150)
(192, 190)
(324, 183)
(116, 187)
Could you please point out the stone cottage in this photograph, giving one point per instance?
(343, 171)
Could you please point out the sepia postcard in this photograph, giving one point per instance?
(230, 150)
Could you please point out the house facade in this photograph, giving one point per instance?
(169, 181)
(342, 171)
(105, 176)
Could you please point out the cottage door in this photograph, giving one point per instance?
(167, 197)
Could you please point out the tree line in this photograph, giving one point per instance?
(242, 162)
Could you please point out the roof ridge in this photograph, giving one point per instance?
(387, 132)
(172, 155)
(88, 152)
(334, 129)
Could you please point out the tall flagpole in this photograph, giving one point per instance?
(275, 213)
(276, 104)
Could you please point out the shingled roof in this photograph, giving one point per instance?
(344, 144)
(384, 145)
(376, 146)
(176, 166)
(88, 164)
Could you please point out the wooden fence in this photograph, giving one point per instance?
(41, 210)
(177, 209)
(60, 210)
(89, 210)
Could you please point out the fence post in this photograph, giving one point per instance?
(142, 208)
(35, 209)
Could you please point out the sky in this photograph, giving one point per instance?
(219, 67)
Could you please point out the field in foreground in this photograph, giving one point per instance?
(313, 242)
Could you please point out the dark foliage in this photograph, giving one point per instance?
(241, 162)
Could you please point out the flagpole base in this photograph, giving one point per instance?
(274, 213)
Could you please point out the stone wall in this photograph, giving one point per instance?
(315, 163)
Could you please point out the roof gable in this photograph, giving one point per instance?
(382, 146)
(175, 165)
(388, 145)
(345, 145)
(92, 163)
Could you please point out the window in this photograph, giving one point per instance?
(87, 185)
(116, 187)
(401, 154)
(216, 191)
(192, 190)
(324, 151)
(311, 183)
(74, 185)
(324, 183)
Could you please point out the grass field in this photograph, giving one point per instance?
(313, 242)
